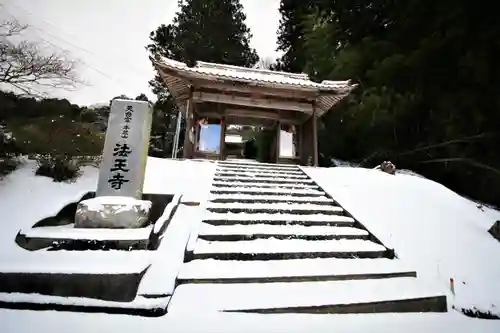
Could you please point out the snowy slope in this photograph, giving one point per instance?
(26, 198)
(441, 234)
(436, 231)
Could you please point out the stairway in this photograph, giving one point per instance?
(273, 241)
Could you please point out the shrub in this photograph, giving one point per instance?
(8, 152)
(58, 167)
(7, 165)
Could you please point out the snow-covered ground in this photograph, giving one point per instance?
(439, 233)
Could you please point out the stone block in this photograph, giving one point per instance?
(112, 212)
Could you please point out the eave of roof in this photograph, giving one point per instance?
(178, 77)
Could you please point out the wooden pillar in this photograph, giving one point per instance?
(222, 143)
(278, 132)
(187, 149)
(315, 135)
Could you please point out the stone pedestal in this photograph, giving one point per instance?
(112, 212)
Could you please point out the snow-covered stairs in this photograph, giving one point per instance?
(270, 231)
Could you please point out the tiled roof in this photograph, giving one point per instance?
(253, 75)
(179, 77)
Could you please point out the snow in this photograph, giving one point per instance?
(217, 322)
(259, 190)
(273, 245)
(257, 174)
(226, 269)
(440, 233)
(261, 185)
(311, 218)
(234, 139)
(160, 277)
(76, 262)
(265, 179)
(26, 199)
(269, 295)
(126, 204)
(284, 198)
(254, 164)
(276, 206)
(69, 232)
(187, 177)
(212, 70)
(167, 213)
(269, 229)
(433, 230)
(138, 303)
(237, 170)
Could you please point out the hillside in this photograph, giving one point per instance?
(440, 233)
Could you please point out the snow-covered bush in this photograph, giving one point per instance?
(58, 167)
(8, 152)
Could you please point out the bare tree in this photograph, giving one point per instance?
(265, 63)
(26, 65)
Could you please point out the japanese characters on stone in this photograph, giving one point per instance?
(128, 118)
(121, 153)
(119, 169)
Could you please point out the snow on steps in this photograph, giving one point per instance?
(257, 191)
(221, 183)
(274, 249)
(108, 275)
(282, 207)
(294, 270)
(246, 174)
(283, 219)
(403, 294)
(221, 198)
(259, 171)
(274, 180)
(254, 231)
(139, 306)
(257, 165)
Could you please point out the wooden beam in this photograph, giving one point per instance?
(231, 87)
(252, 102)
(315, 135)
(287, 117)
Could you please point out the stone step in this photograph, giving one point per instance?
(251, 184)
(278, 219)
(404, 294)
(283, 207)
(263, 191)
(247, 198)
(294, 270)
(258, 170)
(222, 174)
(139, 306)
(276, 249)
(105, 275)
(272, 180)
(256, 231)
(243, 164)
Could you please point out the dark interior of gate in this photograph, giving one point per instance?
(213, 98)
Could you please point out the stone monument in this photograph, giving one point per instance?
(118, 201)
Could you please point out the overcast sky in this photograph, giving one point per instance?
(108, 37)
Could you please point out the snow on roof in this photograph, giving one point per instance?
(253, 75)
(234, 139)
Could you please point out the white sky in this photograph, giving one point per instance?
(109, 36)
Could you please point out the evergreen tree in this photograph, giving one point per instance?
(202, 30)
(429, 81)
(206, 30)
(291, 31)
